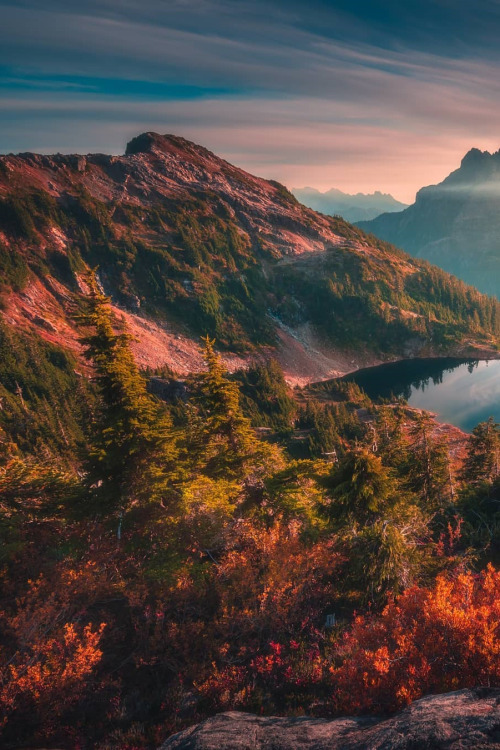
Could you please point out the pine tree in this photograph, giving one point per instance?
(483, 455)
(427, 468)
(131, 445)
(225, 440)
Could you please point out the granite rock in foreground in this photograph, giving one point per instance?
(453, 721)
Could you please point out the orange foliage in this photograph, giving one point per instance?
(239, 627)
(427, 641)
(272, 589)
(274, 583)
(52, 672)
(50, 654)
(269, 584)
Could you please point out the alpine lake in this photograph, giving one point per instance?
(460, 392)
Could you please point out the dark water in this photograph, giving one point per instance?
(461, 392)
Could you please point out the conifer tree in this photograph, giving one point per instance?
(131, 445)
(483, 455)
(266, 396)
(392, 445)
(378, 523)
(361, 489)
(427, 469)
(225, 440)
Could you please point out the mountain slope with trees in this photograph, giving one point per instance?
(454, 224)
(188, 245)
(180, 561)
(230, 543)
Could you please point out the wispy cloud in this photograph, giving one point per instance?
(306, 93)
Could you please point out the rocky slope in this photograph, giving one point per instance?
(358, 207)
(455, 224)
(455, 721)
(187, 244)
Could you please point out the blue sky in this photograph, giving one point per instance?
(351, 94)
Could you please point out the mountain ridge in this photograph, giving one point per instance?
(188, 244)
(455, 223)
(352, 207)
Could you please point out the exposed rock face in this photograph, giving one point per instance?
(454, 721)
(455, 224)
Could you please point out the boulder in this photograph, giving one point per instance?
(453, 721)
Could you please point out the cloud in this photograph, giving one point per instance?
(307, 93)
(275, 139)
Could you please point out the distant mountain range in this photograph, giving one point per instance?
(353, 208)
(455, 224)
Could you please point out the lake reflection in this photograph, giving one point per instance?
(461, 392)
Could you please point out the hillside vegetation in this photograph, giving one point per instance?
(185, 239)
(236, 546)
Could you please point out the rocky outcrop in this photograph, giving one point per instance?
(454, 721)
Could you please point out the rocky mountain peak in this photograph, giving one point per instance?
(476, 166)
(169, 145)
(454, 224)
(145, 143)
(475, 156)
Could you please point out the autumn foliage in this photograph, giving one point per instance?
(427, 641)
(50, 652)
(188, 566)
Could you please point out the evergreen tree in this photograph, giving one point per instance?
(392, 445)
(224, 439)
(266, 396)
(323, 421)
(427, 467)
(386, 557)
(131, 444)
(483, 453)
(361, 489)
(324, 439)
(378, 524)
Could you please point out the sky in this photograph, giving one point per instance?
(360, 95)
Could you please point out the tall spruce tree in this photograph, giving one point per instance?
(482, 463)
(132, 449)
(427, 469)
(224, 441)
